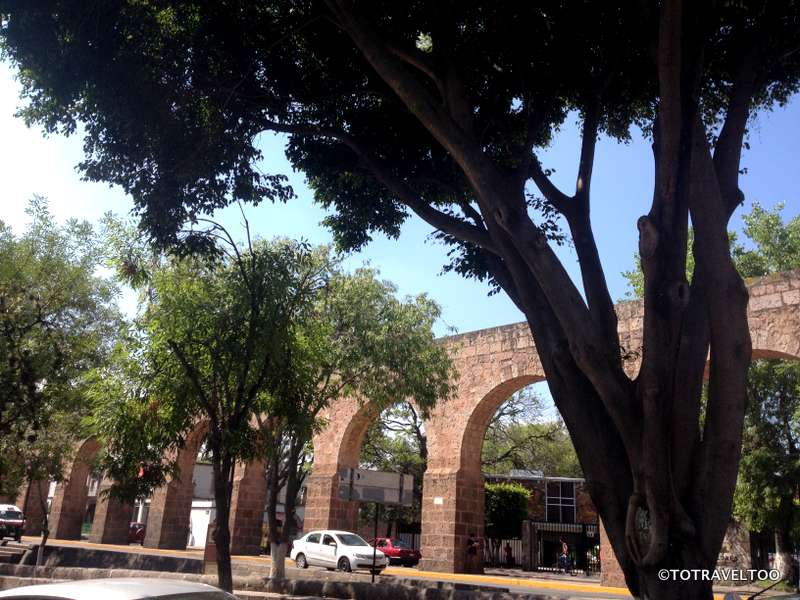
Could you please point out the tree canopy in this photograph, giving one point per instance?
(249, 346)
(768, 490)
(506, 508)
(520, 436)
(58, 319)
(441, 109)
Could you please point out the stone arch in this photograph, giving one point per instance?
(482, 415)
(69, 501)
(337, 445)
(493, 363)
(170, 507)
(453, 489)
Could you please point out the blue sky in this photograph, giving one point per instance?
(622, 189)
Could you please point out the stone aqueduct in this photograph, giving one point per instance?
(493, 363)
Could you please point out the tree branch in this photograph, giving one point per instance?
(419, 61)
(442, 221)
(552, 194)
(728, 150)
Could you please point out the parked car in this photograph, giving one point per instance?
(136, 533)
(134, 588)
(340, 550)
(12, 522)
(397, 551)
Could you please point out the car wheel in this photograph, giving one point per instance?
(344, 565)
(301, 561)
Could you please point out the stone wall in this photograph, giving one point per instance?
(494, 363)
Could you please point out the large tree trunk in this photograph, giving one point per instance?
(277, 546)
(223, 472)
(45, 521)
(783, 553)
(661, 479)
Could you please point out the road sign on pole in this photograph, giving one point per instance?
(362, 485)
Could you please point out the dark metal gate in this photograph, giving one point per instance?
(541, 546)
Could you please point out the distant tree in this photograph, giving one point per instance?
(768, 490)
(442, 110)
(506, 506)
(776, 247)
(397, 442)
(544, 447)
(519, 437)
(58, 320)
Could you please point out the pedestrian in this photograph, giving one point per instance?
(472, 553)
(563, 557)
(509, 555)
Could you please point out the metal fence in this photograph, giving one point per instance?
(501, 560)
(412, 539)
(542, 546)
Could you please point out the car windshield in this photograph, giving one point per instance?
(11, 515)
(351, 539)
(399, 543)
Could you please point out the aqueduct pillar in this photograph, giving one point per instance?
(69, 502)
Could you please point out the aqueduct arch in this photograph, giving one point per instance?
(69, 501)
(493, 363)
(171, 504)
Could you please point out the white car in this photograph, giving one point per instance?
(134, 588)
(340, 550)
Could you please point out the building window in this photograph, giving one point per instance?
(560, 502)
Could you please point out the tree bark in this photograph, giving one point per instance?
(662, 486)
(783, 553)
(45, 523)
(277, 569)
(223, 470)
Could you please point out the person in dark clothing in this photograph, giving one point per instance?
(509, 555)
(472, 553)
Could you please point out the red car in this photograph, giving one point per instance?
(136, 533)
(397, 551)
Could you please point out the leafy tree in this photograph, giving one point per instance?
(358, 340)
(440, 110)
(256, 343)
(57, 322)
(210, 341)
(768, 490)
(506, 506)
(542, 447)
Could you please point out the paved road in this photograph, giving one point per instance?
(575, 589)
